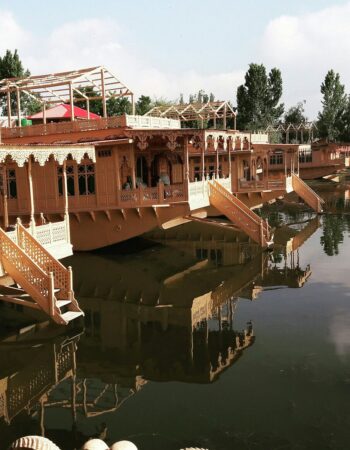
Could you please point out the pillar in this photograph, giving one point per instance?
(104, 106)
(217, 162)
(186, 161)
(132, 105)
(4, 197)
(133, 169)
(235, 122)
(225, 116)
(71, 100)
(31, 192)
(229, 158)
(214, 121)
(203, 162)
(9, 108)
(18, 107)
(88, 108)
(65, 198)
(44, 112)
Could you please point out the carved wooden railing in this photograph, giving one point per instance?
(32, 278)
(49, 264)
(307, 194)
(240, 214)
(148, 196)
(64, 127)
(255, 185)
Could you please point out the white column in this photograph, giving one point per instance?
(9, 108)
(71, 99)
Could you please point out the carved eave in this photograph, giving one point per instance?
(20, 154)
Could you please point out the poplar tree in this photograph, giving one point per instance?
(258, 99)
(331, 118)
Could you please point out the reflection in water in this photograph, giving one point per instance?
(339, 331)
(175, 323)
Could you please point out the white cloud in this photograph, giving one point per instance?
(11, 33)
(305, 48)
(90, 42)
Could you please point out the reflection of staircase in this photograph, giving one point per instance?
(307, 194)
(235, 210)
(45, 283)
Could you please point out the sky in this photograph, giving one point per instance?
(163, 48)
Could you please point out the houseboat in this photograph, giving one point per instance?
(146, 171)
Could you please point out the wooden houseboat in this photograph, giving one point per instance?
(146, 171)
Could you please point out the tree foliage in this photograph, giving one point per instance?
(11, 66)
(295, 114)
(143, 105)
(258, 98)
(335, 102)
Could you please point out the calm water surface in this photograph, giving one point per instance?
(197, 338)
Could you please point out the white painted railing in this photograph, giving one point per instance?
(52, 233)
(199, 192)
(151, 122)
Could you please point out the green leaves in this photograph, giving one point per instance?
(331, 120)
(258, 99)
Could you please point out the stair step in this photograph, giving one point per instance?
(61, 303)
(71, 315)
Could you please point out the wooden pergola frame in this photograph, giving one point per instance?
(196, 111)
(61, 88)
(308, 127)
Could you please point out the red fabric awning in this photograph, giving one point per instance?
(63, 111)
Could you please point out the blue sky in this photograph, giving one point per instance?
(164, 47)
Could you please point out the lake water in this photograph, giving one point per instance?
(196, 338)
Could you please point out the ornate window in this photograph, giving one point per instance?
(86, 179)
(276, 158)
(11, 183)
(70, 180)
(305, 156)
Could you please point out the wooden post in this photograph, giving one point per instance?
(51, 295)
(133, 174)
(71, 100)
(214, 121)
(225, 117)
(104, 106)
(235, 122)
(186, 160)
(4, 197)
(229, 159)
(217, 161)
(88, 108)
(18, 107)
(9, 108)
(203, 162)
(44, 113)
(65, 199)
(132, 105)
(31, 193)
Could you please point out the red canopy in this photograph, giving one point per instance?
(63, 111)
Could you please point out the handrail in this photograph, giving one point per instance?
(38, 282)
(247, 211)
(44, 260)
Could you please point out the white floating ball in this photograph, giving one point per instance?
(123, 445)
(95, 444)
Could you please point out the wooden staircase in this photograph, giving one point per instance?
(243, 217)
(44, 282)
(307, 194)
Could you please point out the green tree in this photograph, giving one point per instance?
(258, 98)
(331, 118)
(11, 66)
(143, 105)
(295, 114)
